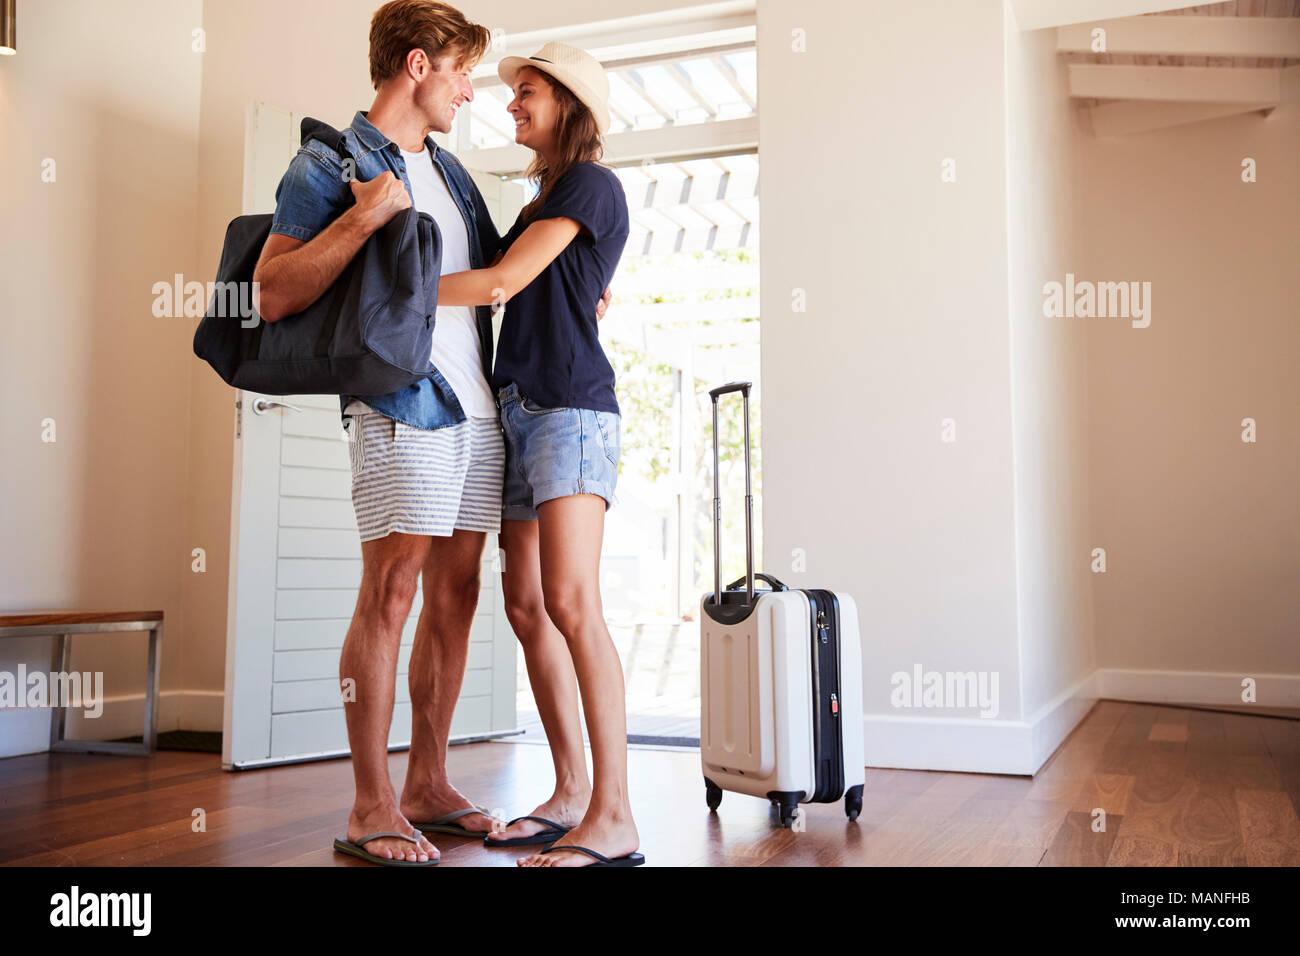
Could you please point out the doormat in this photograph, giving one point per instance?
(200, 741)
(663, 741)
(644, 740)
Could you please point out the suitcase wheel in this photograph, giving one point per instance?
(786, 804)
(853, 802)
(712, 794)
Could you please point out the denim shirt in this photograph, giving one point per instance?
(313, 193)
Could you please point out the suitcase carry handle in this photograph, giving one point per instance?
(743, 388)
(776, 585)
(729, 387)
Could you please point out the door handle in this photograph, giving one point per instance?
(261, 406)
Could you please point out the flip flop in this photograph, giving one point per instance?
(444, 823)
(344, 845)
(632, 859)
(553, 832)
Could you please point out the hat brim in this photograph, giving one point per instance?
(510, 66)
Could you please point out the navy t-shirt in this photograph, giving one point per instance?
(549, 344)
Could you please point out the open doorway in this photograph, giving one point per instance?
(683, 322)
(684, 318)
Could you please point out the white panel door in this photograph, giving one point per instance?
(296, 559)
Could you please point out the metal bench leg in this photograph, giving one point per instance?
(150, 736)
(58, 662)
(151, 689)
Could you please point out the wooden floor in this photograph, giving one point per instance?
(1180, 787)
(673, 726)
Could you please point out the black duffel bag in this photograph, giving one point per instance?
(370, 333)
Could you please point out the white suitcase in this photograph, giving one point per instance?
(780, 681)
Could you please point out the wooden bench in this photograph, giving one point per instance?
(62, 625)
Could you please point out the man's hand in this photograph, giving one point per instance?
(603, 304)
(292, 274)
(379, 200)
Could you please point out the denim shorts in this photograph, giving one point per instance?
(554, 453)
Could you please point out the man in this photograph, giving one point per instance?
(427, 461)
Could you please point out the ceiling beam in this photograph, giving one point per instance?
(660, 29)
(683, 79)
(1037, 14)
(683, 142)
(642, 61)
(1288, 84)
(666, 143)
(633, 79)
(730, 75)
(1182, 84)
(1141, 116)
(707, 186)
(1188, 36)
(663, 59)
(622, 117)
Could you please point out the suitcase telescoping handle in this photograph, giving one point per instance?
(743, 388)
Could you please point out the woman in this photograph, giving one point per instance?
(561, 420)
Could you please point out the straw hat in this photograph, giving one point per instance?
(577, 69)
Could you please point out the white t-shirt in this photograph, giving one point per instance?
(457, 352)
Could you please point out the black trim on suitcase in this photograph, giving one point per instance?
(732, 610)
(726, 607)
(828, 731)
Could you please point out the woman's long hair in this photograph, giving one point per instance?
(579, 142)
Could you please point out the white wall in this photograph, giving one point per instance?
(925, 302)
(1049, 388)
(1202, 531)
(95, 520)
(906, 282)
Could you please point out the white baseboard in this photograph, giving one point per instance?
(24, 731)
(1057, 718)
(200, 710)
(122, 717)
(1197, 687)
(976, 744)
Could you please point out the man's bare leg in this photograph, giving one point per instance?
(551, 674)
(437, 670)
(390, 573)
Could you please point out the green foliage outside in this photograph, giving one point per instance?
(645, 397)
(646, 390)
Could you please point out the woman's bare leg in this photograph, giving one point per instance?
(569, 541)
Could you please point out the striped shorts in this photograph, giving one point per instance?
(425, 481)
